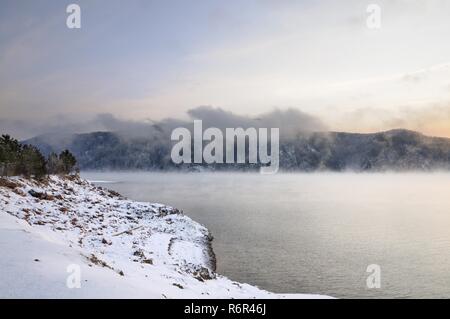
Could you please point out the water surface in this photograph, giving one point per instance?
(315, 233)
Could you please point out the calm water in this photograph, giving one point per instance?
(315, 233)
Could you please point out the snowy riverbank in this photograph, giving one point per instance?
(123, 249)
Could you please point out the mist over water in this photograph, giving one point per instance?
(315, 233)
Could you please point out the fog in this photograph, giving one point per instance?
(290, 121)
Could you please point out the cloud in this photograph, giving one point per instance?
(432, 119)
(290, 121)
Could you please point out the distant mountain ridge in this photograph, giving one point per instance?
(334, 151)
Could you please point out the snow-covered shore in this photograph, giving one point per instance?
(123, 249)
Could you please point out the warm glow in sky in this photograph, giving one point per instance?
(155, 59)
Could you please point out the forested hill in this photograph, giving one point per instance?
(335, 151)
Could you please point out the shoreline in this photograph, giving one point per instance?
(152, 247)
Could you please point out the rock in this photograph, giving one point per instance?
(33, 193)
(113, 194)
(203, 274)
(139, 253)
(93, 259)
(178, 285)
(106, 242)
(40, 195)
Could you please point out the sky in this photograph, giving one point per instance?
(145, 60)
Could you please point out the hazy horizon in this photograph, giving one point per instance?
(112, 124)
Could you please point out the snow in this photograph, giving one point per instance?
(124, 249)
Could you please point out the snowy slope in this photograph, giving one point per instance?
(123, 249)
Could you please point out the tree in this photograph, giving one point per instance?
(68, 162)
(9, 155)
(53, 164)
(27, 160)
(2, 158)
(31, 162)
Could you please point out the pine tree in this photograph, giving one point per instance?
(53, 164)
(31, 162)
(9, 155)
(68, 162)
(27, 160)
